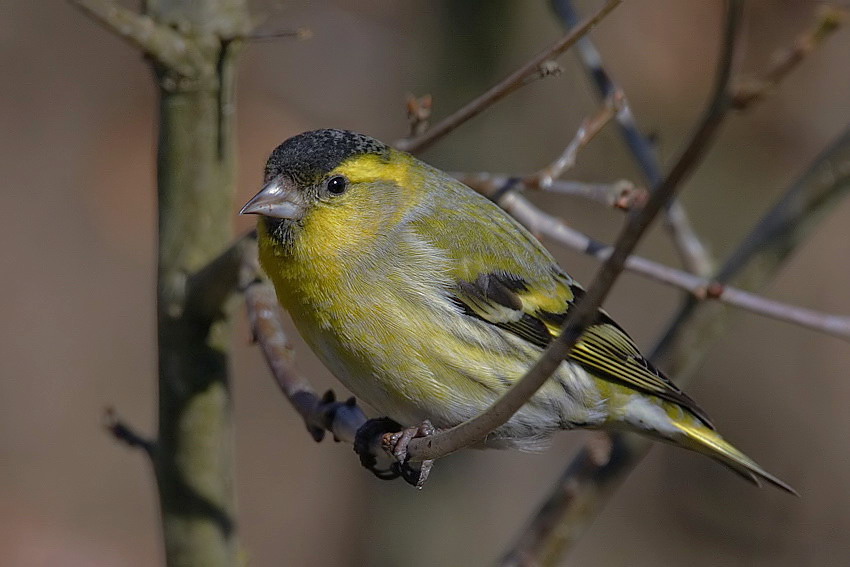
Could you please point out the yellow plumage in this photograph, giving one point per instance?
(428, 301)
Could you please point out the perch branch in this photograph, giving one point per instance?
(508, 85)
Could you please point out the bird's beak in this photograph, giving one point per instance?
(279, 198)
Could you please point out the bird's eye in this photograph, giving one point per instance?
(337, 185)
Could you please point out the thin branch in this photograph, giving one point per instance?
(299, 33)
(508, 85)
(622, 194)
(419, 113)
(126, 434)
(320, 414)
(692, 252)
(164, 44)
(586, 485)
(828, 20)
(591, 126)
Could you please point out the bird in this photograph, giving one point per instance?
(428, 301)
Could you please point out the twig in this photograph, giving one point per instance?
(621, 194)
(587, 131)
(419, 113)
(164, 44)
(299, 33)
(692, 252)
(544, 224)
(342, 419)
(828, 20)
(126, 434)
(508, 85)
(585, 486)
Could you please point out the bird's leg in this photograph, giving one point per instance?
(396, 444)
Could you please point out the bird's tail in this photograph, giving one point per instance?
(697, 437)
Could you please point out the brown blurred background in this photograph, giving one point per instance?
(76, 157)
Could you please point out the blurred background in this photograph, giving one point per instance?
(76, 158)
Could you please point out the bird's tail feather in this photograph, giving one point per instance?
(699, 438)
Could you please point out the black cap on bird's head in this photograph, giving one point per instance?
(302, 163)
(309, 156)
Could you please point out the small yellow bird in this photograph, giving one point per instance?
(428, 301)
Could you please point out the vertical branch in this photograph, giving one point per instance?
(191, 45)
(195, 179)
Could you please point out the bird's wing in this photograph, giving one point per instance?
(502, 275)
(514, 304)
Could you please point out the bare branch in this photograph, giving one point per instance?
(622, 194)
(419, 113)
(587, 131)
(299, 33)
(508, 85)
(695, 257)
(828, 19)
(164, 44)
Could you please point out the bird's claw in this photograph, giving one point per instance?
(393, 440)
(395, 443)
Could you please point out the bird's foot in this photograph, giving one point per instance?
(393, 439)
(395, 443)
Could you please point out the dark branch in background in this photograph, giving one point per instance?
(694, 255)
(587, 484)
(508, 85)
(585, 310)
